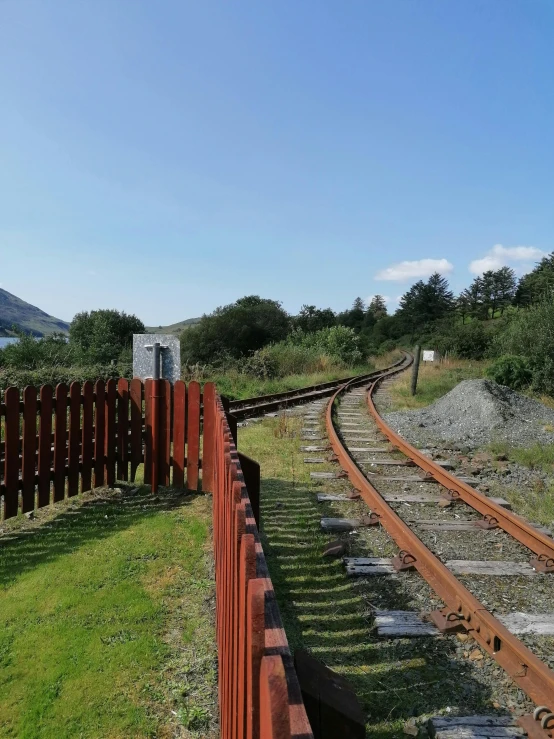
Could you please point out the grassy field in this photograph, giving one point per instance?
(327, 613)
(435, 380)
(107, 619)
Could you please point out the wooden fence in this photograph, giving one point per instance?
(58, 442)
(259, 694)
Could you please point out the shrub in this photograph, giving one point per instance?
(340, 342)
(13, 377)
(511, 370)
(530, 334)
(465, 341)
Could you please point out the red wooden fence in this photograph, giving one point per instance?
(58, 442)
(259, 694)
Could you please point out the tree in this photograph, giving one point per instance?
(312, 319)
(377, 307)
(235, 330)
(537, 284)
(425, 303)
(103, 335)
(505, 287)
(353, 318)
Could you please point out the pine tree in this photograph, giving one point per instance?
(377, 307)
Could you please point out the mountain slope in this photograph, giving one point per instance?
(14, 311)
(174, 328)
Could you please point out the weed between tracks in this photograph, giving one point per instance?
(106, 620)
(326, 612)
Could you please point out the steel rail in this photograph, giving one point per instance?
(530, 674)
(266, 403)
(512, 524)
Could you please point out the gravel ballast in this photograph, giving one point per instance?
(478, 412)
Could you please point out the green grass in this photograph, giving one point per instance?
(106, 627)
(238, 385)
(535, 457)
(325, 612)
(435, 380)
(535, 503)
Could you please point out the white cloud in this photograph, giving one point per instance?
(504, 256)
(419, 268)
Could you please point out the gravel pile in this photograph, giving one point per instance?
(477, 412)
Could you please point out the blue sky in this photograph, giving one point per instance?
(167, 157)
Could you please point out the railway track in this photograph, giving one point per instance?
(262, 404)
(433, 516)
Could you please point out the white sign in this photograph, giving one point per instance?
(428, 355)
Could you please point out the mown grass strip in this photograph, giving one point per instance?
(329, 614)
(107, 627)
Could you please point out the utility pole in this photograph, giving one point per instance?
(415, 369)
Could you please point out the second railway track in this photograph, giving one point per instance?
(459, 540)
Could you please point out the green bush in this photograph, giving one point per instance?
(13, 377)
(339, 342)
(530, 334)
(511, 370)
(30, 353)
(465, 341)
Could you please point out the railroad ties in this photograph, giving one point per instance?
(440, 523)
(460, 543)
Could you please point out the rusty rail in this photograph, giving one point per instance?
(532, 675)
(267, 403)
(512, 524)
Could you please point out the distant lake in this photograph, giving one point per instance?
(5, 340)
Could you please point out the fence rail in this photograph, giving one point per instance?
(259, 694)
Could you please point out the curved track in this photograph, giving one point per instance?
(261, 404)
(462, 607)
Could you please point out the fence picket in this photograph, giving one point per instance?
(148, 432)
(87, 443)
(179, 403)
(45, 445)
(193, 435)
(255, 644)
(136, 426)
(28, 463)
(11, 452)
(74, 440)
(60, 441)
(208, 437)
(274, 699)
(122, 429)
(164, 446)
(99, 432)
(109, 439)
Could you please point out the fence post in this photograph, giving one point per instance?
(231, 420)
(251, 473)
(415, 369)
(155, 414)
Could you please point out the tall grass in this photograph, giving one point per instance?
(435, 380)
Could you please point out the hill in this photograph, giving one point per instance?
(26, 317)
(173, 328)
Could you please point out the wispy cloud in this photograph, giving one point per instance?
(419, 268)
(503, 256)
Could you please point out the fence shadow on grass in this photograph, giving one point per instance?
(94, 517)
(326, 613)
